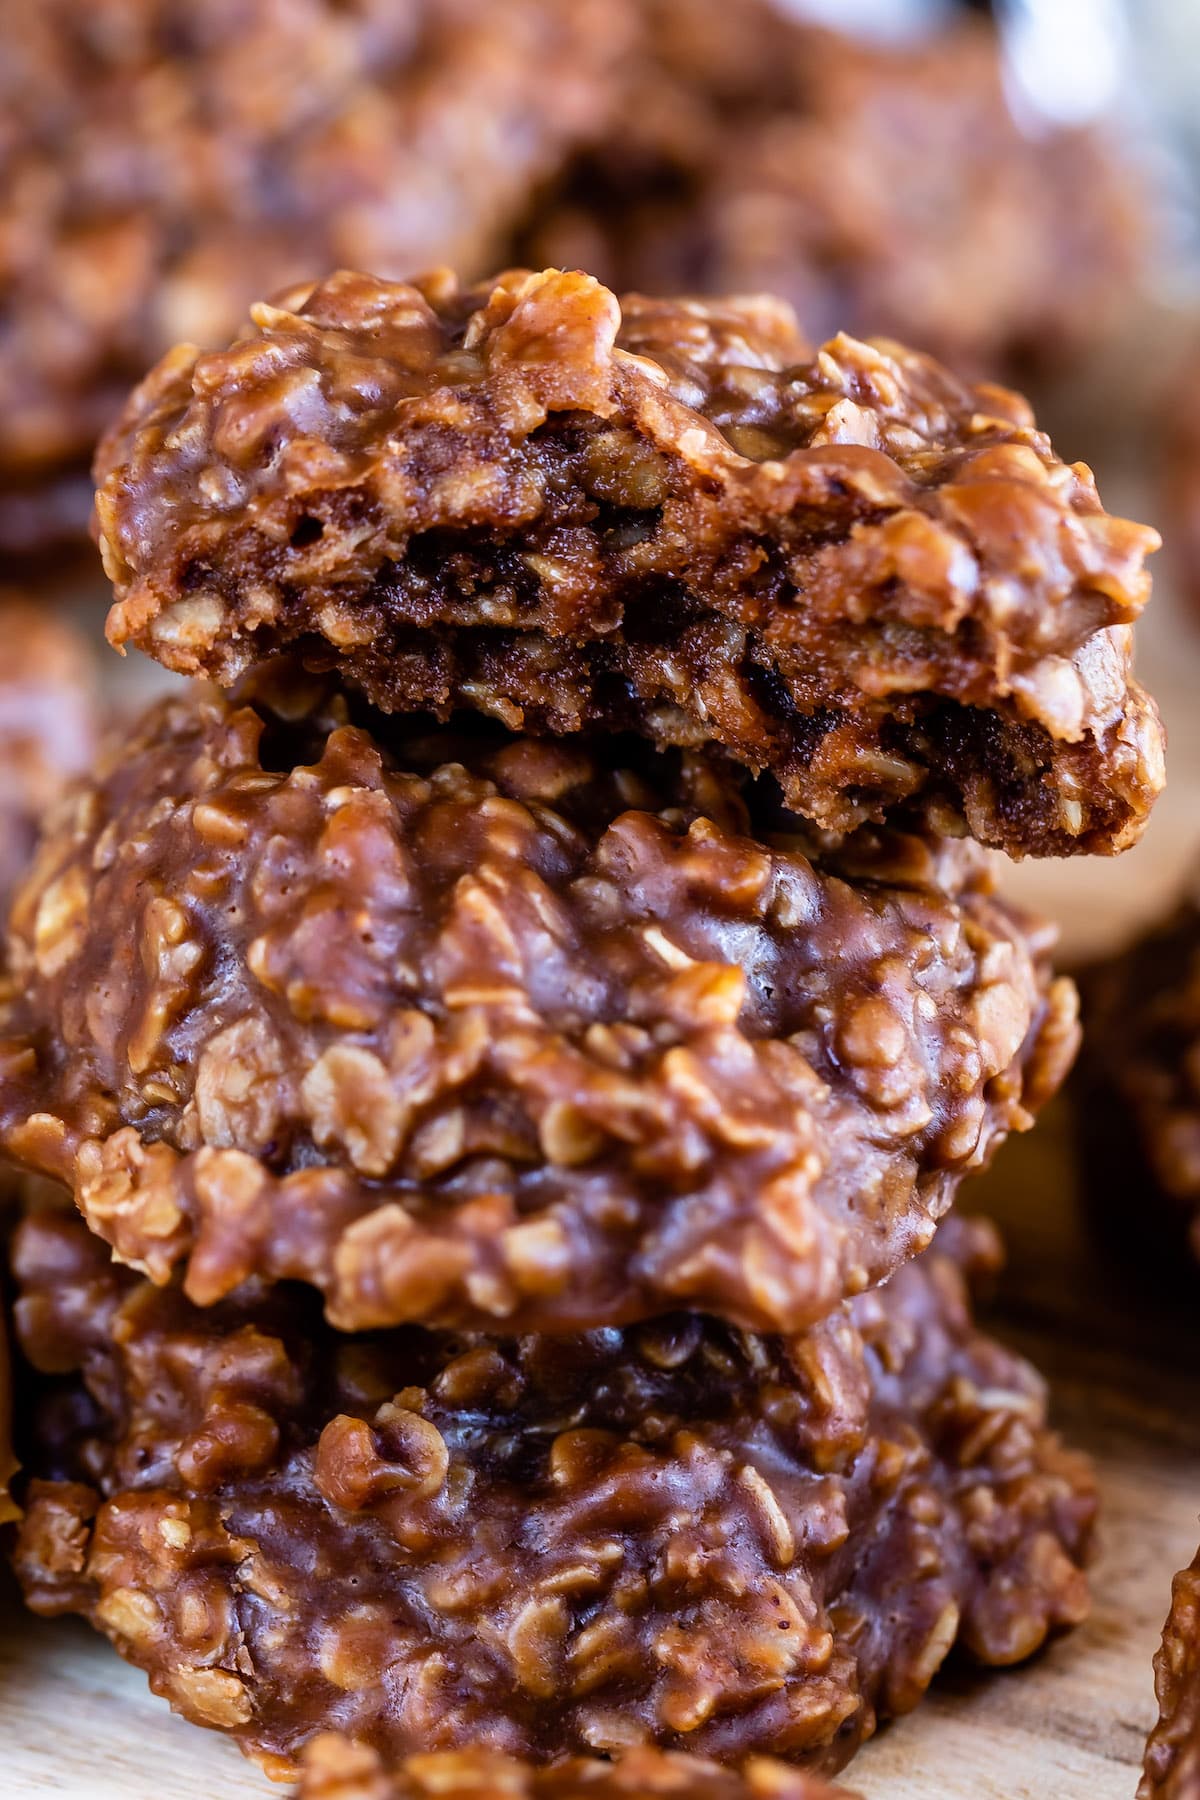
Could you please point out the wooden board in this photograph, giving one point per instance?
(1125, 1368)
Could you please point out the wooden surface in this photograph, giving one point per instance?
(1125, 1365)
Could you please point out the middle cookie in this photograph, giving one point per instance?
(481, 1031)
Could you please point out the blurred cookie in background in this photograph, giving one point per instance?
(162, 164)
(1140, 1087)
(881, 187)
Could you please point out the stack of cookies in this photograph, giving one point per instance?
(512, 1026)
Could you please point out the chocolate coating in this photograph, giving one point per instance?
(48, 713)
(1172, 1770)
(1143, 1046)
(495, 1032)
(164, 163)
(675, 1534)
(851, 569)
(879, 188)
(335, 1769)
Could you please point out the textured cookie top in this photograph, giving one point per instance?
(676, 1534)
(163, 163)
(492, 1031)
(847, 567)
(336, 1769)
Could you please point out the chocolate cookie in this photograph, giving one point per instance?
(848, 568)
(675, 1534)
(509, 1034)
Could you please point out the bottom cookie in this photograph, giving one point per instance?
(337, 1770)
(1172, 1770)
(677, 1534)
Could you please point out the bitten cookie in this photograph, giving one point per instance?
(846, 567)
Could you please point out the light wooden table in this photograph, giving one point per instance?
(75, 1722)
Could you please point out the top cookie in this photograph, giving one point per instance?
(848, 568)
